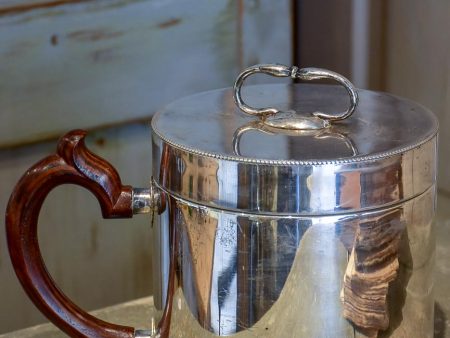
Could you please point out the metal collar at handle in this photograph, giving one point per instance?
(295, 73)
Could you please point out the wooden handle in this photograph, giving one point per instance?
(74, 164)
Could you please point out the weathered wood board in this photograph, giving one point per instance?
(93, 64)
(15, 6)
(97, 63)
(418, 63)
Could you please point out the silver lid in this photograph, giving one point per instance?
(220, 156)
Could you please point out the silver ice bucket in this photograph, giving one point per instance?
(300, 218)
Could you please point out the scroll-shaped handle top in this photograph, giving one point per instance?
(290, 120)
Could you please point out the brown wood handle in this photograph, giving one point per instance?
(73, 163)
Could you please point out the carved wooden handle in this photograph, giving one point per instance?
(75, 164)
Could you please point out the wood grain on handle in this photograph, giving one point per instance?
(72, 164)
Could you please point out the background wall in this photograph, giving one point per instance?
(417, 63)
(397, 46)
(107, 66)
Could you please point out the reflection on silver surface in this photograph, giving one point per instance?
(315, 134)
(266, 276)
(270, 239)
(146, 200)
(382, 125)
(144, 334)
(395, 141)
(299, 189)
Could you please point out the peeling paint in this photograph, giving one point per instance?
(19, 8)
(100, 141)
(169, 23)
(54, 40)
(94, 35)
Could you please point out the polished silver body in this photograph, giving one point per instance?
(267, 276)
(263, 235)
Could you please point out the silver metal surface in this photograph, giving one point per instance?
(145, 200)
(384, 125)
(394, 161)
(144, 334)
(316, 134)
(318, 120)
(266, 276)
(267, 220)
(297, 189)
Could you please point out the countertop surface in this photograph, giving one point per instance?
(138, 313)
(442, 270)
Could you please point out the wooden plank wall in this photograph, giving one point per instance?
(324, 35)
(122, 59)
(408, 52)
(107, 66)
(417, 63)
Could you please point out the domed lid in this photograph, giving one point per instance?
(302, 137)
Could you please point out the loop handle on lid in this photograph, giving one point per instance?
(319, 120)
